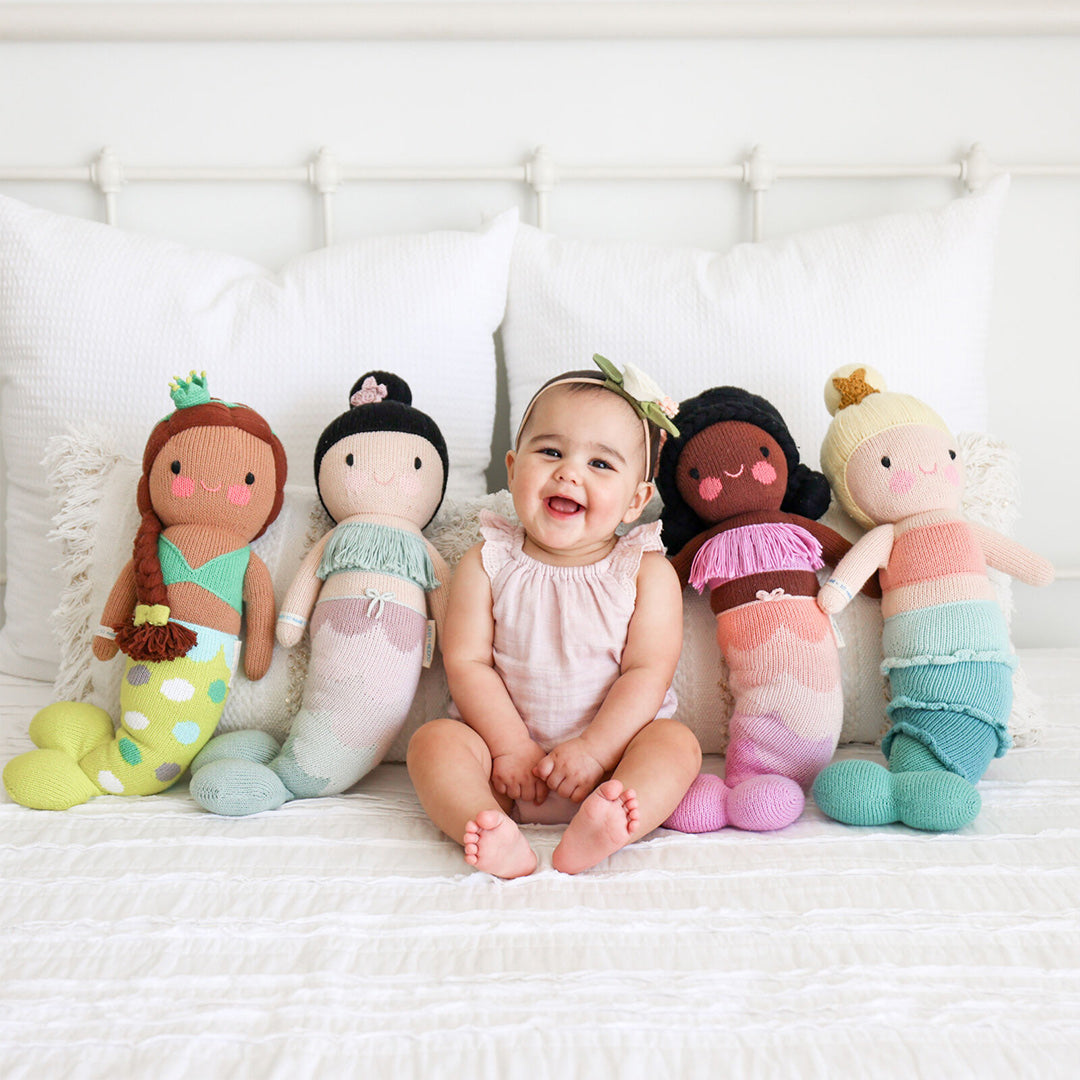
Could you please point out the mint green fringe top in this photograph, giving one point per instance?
(381, 549)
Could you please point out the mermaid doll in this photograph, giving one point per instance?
(895, 468)
(740, 515)
(367, 587)
(213, 480)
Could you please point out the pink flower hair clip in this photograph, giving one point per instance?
(370, 391)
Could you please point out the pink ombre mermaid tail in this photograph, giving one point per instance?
(785, 675)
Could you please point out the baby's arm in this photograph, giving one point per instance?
(870, 553)
(478, 691)
(301, 597)
(1012, 558)
(653, 643)
(118, 607)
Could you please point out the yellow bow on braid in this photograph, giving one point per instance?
(154, 614)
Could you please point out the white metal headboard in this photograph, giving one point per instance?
(541, 173)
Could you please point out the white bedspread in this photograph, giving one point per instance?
(345, 937)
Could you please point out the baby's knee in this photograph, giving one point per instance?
(679, 738)
(430, 737)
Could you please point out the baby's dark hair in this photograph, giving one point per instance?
(392, 412)
(583, 383)
(807, 492)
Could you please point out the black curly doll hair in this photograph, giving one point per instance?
(395, 412)
(807, 491)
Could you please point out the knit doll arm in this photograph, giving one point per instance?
(259, 609)
(833, 548)
(477, 689)
(439, 598)
(1012, 558)
(118, 607)
(684, 560)
(868, 554)
(301, 597)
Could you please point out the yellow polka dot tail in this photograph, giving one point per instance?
(168, 711)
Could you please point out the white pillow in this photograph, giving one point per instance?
(95, 485)
(908, 293)
(95, 321)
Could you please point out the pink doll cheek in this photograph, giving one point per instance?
(901, 482)
(710, 487)
(239, 494)
(763, 473)
(410, 483)
(183, 487)
(952, 474)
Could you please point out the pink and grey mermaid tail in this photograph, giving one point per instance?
(785, 675)
(366, 657)
(168, 711)
(950, 669)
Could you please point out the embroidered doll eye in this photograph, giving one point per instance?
(952, 454)
(887, 462)
(695, 475)
(249, 479)
(417, 463)
(349, 460)
(175, 466)
(764, 451)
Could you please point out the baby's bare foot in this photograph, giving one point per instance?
(604, 824)
(495, 844)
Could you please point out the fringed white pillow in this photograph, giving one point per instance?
(95, 485)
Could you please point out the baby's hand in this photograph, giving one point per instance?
(570, 770)
(513, 773)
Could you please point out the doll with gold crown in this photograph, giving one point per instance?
(213, 479)
(895, 468)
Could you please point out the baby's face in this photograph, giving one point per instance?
(390, 474)
(577, 473)
(906, 470)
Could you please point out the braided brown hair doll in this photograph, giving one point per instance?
(213, 480)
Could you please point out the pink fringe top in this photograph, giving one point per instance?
(754, 549)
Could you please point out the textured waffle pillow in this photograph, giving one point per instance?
(908, 293)
(94, 321)
(94, 481)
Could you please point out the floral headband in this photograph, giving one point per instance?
(633, 386)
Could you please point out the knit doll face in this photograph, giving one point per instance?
(730, 468)
(219, 476)
(390, 475)
(906, 470)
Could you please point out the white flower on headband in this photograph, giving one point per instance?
(641, 391)
(638, 384)
(370, 391)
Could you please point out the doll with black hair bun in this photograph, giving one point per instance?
(364, 591)
(740, 519)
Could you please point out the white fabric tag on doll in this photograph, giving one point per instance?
(429, 643)
(836, 632)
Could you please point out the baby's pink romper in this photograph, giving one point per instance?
(560, 632)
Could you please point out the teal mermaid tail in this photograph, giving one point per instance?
(949, 711)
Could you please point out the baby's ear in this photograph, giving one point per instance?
(645, 491)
